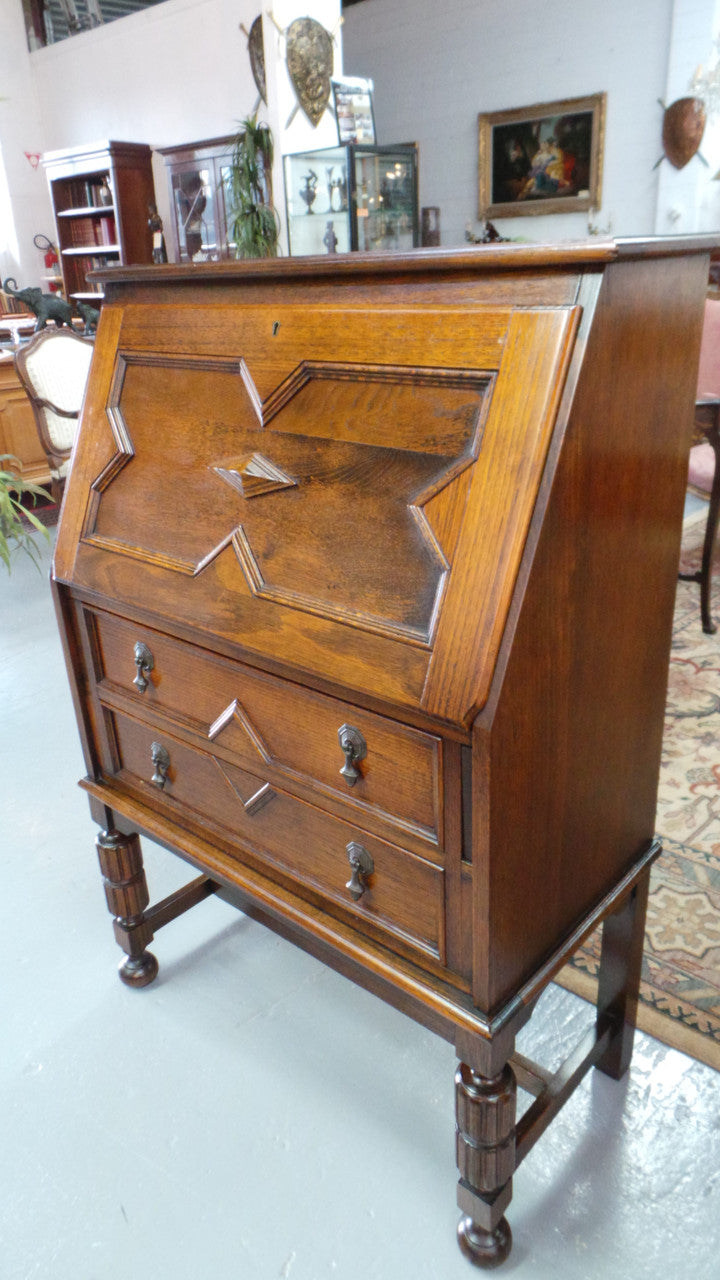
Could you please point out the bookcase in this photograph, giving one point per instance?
(100, 195)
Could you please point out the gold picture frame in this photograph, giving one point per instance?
(546, 158)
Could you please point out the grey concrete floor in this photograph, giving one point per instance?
(252, 1115)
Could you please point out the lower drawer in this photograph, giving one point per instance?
(376, 881)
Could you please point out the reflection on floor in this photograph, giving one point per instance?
(252, 1114)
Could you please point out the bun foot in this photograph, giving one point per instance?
(484, 1248)
(139, 971)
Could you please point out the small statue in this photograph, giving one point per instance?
(490, 235)
(330, 240)
(159, 252)
(90, 316)
(308, 192)
(46, 306)
(337, 194)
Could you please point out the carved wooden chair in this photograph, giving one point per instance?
(53, 368)
(705, 451)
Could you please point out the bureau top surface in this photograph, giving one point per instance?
(332, 468)
(479, 259)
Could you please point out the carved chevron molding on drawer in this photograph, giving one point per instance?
(316, 370)
(256, 800)
(235, 715)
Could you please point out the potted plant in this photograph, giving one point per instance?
(252, 220)
(14, 533)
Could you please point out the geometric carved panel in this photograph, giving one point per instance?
(342, 494)
(356, 527)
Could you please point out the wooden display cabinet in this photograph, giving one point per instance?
(366, 574)
(196, 174)
(101, 196)
(18, 432)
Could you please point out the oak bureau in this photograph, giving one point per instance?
(365, 574)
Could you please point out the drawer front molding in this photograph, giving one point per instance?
(403, 894)
(259, 720)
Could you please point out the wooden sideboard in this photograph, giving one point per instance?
(18, 432)
(366, 575)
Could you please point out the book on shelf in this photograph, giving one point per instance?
(105, 231)
(79, 268)
(98, 192)
(80, 231)
(91, 193)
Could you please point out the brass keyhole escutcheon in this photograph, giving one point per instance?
(144, 664)
(354, 748)
(362, 866)
(161, 763)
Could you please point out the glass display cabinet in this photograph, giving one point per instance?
(352, 197)
(197, 178)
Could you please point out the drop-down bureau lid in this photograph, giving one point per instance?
(338, 481)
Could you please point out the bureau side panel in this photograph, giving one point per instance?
(568, 748)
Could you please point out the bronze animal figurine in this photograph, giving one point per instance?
(89, 315)
(46, 306)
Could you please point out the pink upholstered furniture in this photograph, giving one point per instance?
(704, 470)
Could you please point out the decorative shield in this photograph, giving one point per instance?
(310, 64)
(257, 57)
(682, 131)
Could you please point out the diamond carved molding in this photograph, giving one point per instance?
(234, 714)
(256, 801)
(255, 475)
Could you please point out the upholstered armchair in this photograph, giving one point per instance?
(53, 368)
(704, 470)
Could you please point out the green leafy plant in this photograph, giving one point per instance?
(14, 533)
(253, 223)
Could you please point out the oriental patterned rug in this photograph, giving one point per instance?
(680, 990)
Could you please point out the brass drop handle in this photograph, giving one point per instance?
(144, 663)
(362, 866)
(354, 748)
(161, 763)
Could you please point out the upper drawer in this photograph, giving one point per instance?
(392, 770)
(344, 490)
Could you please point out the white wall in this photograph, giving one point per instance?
(291, 128)
(174, 73)
(689, 198)
(24, 201)
(435, 68)
(180, 71)
(169, 74)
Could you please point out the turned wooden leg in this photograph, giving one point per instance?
(623, 939)
(485, 1138)
(708, 625)
(127, 897)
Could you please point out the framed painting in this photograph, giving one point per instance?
(546, 158)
